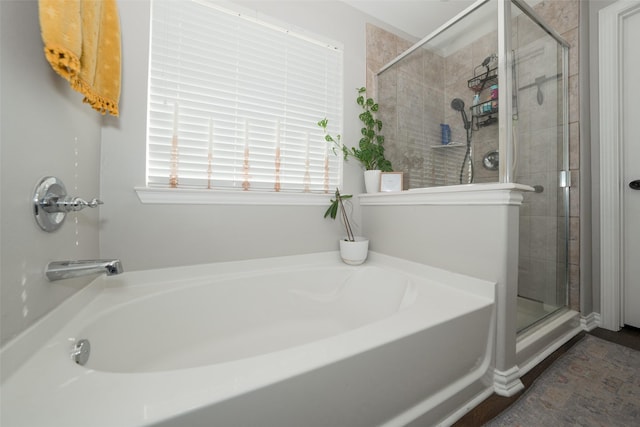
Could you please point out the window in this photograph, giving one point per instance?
(234, 101)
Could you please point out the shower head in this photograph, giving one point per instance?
(458, 105)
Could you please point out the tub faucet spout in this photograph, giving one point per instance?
(58, 270)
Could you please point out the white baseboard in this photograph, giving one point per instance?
(590, 321)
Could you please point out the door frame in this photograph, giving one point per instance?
(610, 26)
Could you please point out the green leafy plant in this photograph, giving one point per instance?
(370, 150)
(333, 213)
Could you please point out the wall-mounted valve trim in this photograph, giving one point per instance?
(51, 203)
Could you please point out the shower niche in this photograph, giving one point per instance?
(501, 87)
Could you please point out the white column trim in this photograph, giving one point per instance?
(507, 383)
(590, 322)
(611, 232)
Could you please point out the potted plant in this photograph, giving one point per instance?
(370, 149)
(353, 249)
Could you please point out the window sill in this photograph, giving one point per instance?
(184, 196)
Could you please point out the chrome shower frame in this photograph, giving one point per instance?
(505, 77)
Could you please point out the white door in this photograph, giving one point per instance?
(631, 167)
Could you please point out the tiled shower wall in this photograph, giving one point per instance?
(564, 18)
(412, 125)
(426, 83)
(462, 65)
(538, 147)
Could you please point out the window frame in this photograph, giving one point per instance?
(166, 195)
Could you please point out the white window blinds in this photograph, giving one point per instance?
(234, 102)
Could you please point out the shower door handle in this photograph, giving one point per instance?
(635, 185)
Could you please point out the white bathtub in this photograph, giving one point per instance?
(294, 341)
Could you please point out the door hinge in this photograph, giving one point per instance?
(564, 179)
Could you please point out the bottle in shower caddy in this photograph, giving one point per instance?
(476, 100)
(445, 132)
(494, 98)
(491, 103)
(486, 105)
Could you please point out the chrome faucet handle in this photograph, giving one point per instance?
(51, 203)
(94, 203)
(72, 204)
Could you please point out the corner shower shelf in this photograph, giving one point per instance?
(449, 145)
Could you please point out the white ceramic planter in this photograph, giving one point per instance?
(372, 181)
(354, 253)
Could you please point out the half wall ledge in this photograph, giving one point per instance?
(467, 194)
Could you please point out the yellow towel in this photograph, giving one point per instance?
(82, 44)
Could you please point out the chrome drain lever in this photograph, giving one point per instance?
(81, 351)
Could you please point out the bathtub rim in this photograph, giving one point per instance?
(151, 382)
(109, 304)
(19, 350)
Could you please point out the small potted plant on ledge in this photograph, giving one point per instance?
(353, 249)
(370, 150)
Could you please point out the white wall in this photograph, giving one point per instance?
(41, 119)
(467, 238)
(45, 130)
(149, 236)
(594, 6)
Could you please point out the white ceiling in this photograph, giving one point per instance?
(415, 17)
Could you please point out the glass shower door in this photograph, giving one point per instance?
(540, 147)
